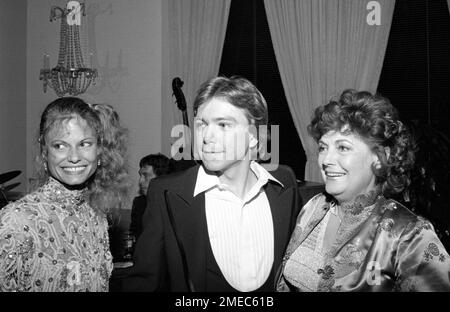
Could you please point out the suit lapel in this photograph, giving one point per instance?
(190, 219)
(280, 200)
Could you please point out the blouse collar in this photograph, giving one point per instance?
(360, 203)
(56, 191)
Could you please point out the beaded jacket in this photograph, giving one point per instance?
(52, 240)
(380, 245)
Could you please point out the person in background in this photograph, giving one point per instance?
(56, 238)
(222, 225)
(355, 236)
(150, 166)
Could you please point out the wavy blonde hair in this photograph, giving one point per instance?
(108, 188)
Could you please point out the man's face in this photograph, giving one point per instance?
(222, 136)
(145, 175)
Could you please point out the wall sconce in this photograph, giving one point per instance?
(70, 75)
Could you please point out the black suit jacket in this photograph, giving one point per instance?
(163, 263)
(137, 212)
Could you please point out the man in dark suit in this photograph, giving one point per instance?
(222, 225)
(150, 167)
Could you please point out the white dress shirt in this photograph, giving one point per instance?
(240, 230)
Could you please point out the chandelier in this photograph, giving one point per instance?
(70, 75)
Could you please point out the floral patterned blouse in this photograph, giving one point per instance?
(52, 240)
(380, 246)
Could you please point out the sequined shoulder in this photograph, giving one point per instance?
(18, 218)
(18, 212)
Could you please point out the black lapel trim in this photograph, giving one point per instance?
(280, 217)
(187, 277)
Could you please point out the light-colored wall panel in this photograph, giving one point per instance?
(125, 37)
(13, 14)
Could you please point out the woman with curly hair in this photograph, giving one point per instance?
(355, 236)
(56, 238)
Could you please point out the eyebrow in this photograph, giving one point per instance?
(64, 141)
(226, 118)
(344, 140)
(217, 119)
(337, 141)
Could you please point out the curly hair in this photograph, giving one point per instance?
(375, 120)
(109, 186)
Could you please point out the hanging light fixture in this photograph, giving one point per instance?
(70, 76)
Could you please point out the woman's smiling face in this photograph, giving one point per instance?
(72, 151)
(346, 164)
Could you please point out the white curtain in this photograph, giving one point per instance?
(448, 3)
(323, 47)
(196, 32)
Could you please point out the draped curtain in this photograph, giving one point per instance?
(323, 47)
(448, 3)
(196, 33)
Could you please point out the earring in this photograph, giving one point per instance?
(45, 167)
(99, 162)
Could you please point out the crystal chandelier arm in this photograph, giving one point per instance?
(54, 15)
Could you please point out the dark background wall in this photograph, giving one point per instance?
(416, 68)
